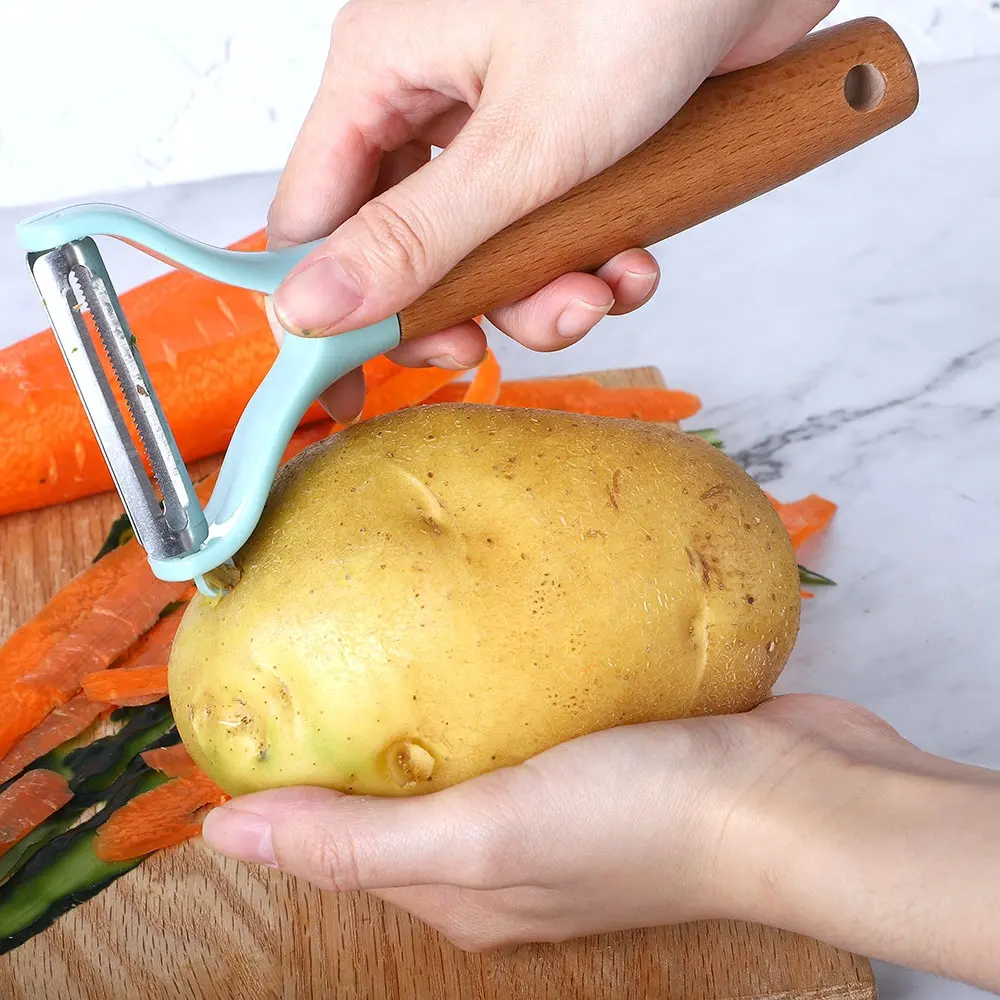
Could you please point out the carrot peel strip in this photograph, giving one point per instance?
(485, 384)
(61, 724)
(154, 646)
(127, 685)
(23, 710)
(174, 761)
(29, 801)
(158, 818)
(804, 518)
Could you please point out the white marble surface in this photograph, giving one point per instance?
(844, 334)
(220, 87)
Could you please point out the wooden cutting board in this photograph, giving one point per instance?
(188, 925)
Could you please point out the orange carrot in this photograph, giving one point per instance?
(207, 347)
(173, 761)
(30, 800)
(804, 518)
(485, 384)
(408, 387)
(127, 685)
(523, 392)
(584, 395)
(306, 436)
(660, 405)
(158, 818)
(61, 724)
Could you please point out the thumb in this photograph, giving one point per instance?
(402, 242)
(346, 843)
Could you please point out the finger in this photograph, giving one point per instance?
(334, 164)
(400, 243)
(345, 399)
(782, 25)
(461, 347)
(633, 277)
(553, 318)
(345, 843)
(400, 163)
(557, 316)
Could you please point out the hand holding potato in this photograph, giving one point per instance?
(528, 99)
(807, 813)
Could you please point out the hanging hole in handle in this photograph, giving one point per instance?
(864, 87)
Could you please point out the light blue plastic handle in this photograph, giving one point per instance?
(303, 369)
(261, 270)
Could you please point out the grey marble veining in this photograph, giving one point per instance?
(844, 335)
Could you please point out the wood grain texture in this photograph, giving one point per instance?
(189, 925)
(737, 137)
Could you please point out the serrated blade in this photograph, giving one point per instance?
(72, 281)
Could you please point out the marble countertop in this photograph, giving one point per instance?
(844, 335)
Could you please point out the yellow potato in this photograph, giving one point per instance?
(450, 589)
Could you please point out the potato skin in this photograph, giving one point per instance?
(451, 589)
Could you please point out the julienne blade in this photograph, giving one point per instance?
(163, 508)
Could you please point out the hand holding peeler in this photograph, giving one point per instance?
(739, 136)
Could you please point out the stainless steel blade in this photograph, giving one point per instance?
(72, 281)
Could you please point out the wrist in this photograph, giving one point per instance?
(893, 858)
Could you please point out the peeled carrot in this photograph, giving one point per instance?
(207, 346)
(660, 405)
(31, 800)
(127, 685)
(156, 819)
(520, 391)
(173, 761)
(61, 724)
(804, 518)
(585, 395)
(485, 384)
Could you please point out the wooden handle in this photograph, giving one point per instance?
(738, 136)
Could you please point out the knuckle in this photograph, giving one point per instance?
(351, 16)
(398, 241)
(333, 862)
(495, 855)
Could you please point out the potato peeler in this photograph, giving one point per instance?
(737, 137)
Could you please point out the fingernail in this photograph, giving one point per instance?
(578, 317)
(447, 361)
(242, 835)
(317, 298)
(642, 280)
